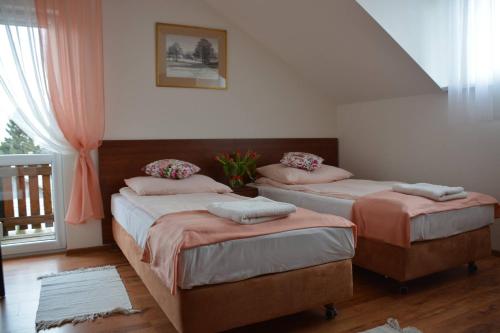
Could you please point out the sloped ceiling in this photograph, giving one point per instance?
(334, 44)
(420, 27)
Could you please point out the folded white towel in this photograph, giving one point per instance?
(251, 211)
(431, 191)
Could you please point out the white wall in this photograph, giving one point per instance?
(410, 139)
(419, 27)
(265, 98)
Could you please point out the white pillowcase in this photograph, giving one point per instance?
(163, 186)
(293, 176)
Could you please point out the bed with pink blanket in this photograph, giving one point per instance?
(173, 233)
(401, 236)
(182, 250)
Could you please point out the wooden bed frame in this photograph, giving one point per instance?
(219, 307)
(424, 257)
(227, 305)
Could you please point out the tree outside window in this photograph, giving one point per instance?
(18, 142)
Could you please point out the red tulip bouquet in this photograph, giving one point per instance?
(237, 167)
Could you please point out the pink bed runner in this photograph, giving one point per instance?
(175, 232)
(386, 215)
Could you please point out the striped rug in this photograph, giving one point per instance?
(81, 295)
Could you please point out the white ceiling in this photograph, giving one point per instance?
(334, 44)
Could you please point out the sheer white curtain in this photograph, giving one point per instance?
(23, 88)
(474, 83)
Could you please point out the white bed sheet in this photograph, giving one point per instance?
(244, 258)
(423, 227)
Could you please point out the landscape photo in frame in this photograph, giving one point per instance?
(190, 57)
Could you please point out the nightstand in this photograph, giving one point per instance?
(247, 191)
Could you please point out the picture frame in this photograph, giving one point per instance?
(190, 56)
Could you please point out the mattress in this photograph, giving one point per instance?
(423, 227)
(244, 258)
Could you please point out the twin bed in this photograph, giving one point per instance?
(232, 260)
(439, 241)
(238, 282)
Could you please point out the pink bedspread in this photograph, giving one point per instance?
(175, 232)
(386, 215)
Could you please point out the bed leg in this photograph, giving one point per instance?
(472, 267)
(330, 311)
(403, 289)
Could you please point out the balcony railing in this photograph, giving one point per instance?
(26, 202)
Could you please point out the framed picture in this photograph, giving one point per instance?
(190, 57)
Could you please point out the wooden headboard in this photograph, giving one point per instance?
(121, 159)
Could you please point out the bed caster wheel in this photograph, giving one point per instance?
(403, 290)
(472, 267)
(330, 312)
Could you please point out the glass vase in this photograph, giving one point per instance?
(236, 182)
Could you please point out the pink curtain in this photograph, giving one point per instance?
(71, 32)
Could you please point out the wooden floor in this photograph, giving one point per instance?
(448, 302)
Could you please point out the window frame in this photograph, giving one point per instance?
(59, 243)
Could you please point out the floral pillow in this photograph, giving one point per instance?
(304, 161)
(170, 168)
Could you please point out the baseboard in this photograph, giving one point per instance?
(32, 254)
(70, 252)
(91, 249)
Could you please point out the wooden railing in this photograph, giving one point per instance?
(26, 197)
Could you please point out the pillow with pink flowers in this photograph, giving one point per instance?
(299, 160)
(170, 168)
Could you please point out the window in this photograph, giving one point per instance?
(474, 73)
(31, 212)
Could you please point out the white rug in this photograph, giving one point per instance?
(81, 295)
(392, 326)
